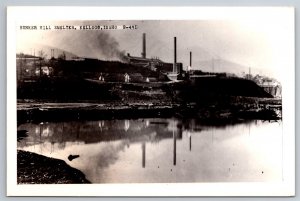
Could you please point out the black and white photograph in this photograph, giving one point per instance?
(152, 101)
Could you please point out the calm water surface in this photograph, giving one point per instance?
(162, 150)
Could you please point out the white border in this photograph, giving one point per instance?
(285, 188)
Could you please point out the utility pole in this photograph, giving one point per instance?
(249, 73)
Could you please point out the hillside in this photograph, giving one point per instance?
(220, 87)
(222, 65)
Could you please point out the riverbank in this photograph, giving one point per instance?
(207, 98)
(38, 169)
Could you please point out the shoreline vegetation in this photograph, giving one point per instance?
(239, 108)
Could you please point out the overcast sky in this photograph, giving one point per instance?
(264, 44)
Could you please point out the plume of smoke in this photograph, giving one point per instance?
(91, 44)
(108, 46)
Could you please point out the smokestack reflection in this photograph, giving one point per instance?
(190, 139)
(143, 154)
(174, 148)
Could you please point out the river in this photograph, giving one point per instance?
(158, 150)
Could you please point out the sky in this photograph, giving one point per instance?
(264, 44)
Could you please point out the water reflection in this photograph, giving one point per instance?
(174, 148)
(126, 125)
(160, 150)
(190, 137)
(143, 154)
(96, 131)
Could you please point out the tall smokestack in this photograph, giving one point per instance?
(190, 59)
(175, 56)
(144, 46)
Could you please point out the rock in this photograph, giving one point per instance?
(37, 169)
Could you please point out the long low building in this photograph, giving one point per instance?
(153, 63)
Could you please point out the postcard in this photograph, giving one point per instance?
(150, 101)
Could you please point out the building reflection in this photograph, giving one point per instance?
(60, 134)
(89, 132)
(126, 125)
(147, 123)
(101, 125)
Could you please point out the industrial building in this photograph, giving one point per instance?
(172, 70)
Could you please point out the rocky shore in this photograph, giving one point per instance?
(38, 169)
